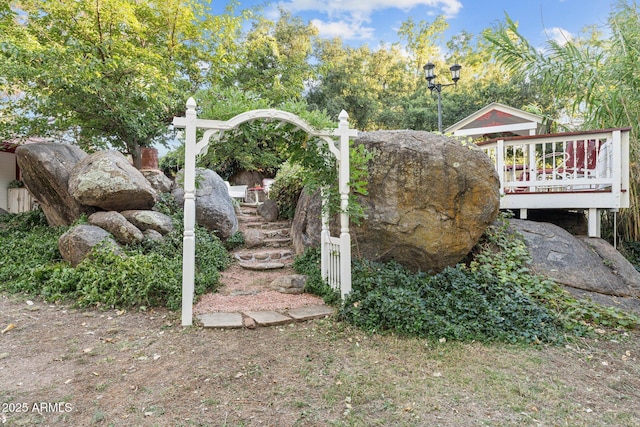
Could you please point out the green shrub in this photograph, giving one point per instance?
(146, 275)
(456, 304)
(235, 241)
(286, 189)
(308, 264)
(494, 298)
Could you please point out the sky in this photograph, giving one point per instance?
(374, 22)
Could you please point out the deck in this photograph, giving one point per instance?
(571, 171)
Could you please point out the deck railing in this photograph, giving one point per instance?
(577, 170)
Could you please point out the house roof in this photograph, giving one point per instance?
(10, 145)
(497, 118)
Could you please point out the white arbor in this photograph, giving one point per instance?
(336, 251)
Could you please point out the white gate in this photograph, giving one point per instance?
(336, 251)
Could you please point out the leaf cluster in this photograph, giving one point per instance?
(494, 298)
(139, 276)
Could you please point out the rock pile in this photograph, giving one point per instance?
(117, 197)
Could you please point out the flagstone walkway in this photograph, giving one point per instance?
(247, 298)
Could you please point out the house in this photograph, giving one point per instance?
(13, 200)
(584, 171)
(498, 120)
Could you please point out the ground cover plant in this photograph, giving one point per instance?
(493, 297)
(145, 275)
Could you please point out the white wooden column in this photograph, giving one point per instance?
(343, 182)
(189, 237)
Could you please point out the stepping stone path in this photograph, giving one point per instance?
(267, 256)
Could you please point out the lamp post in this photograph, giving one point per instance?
(432, 85)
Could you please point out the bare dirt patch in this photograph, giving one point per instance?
(248, 290)
(65, 367)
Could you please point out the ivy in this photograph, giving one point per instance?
(147, 275)
(493, 298)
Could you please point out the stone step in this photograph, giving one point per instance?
(250, 319)
(261, 266)
(276, 233)
(276, 242)
(262, 225)
(264, 256)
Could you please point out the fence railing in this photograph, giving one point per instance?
(577, 170)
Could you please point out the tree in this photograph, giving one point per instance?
(275, 58)
(592, 77)
(108, 72)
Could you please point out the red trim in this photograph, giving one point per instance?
(552, 135)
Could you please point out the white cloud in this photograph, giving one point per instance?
(348, 18)
(559, 35)
(343, 29)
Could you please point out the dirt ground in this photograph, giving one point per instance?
(65, 367)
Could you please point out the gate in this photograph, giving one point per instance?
(335, 251)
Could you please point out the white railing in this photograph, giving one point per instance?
(577, 170)
(330, 261)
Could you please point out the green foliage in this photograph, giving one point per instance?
(112, 72)
(27, 243)
(494, 298)
(307, 264)
(235, 241)
(286, 189)
(145, 275)
(457, 304)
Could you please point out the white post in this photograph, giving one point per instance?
(343, 182)
(189, 239)
(500, 164)
(594, 222)
(324, 239)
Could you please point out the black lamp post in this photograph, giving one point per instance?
(432, 85)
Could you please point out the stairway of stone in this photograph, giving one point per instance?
(260, 288)
(267, 244)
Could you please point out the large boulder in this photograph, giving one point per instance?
(149, 220)
(116, 224)
(79, 241)
(584, 263)
(158, 180)
(46, 168)
(430, 199)
(107, 180)
(307, 221)
(214, 209)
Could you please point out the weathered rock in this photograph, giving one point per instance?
(268, 210)
(249, 178)
(430, 199)
(107, 180)
(214, 209)
(45, 169)
(149, 220)
(253, 238)
(152, 235)
(584, 263)
(158, 180)
(307, 222)
(115, 223)
(291, 284)
(77, 242)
